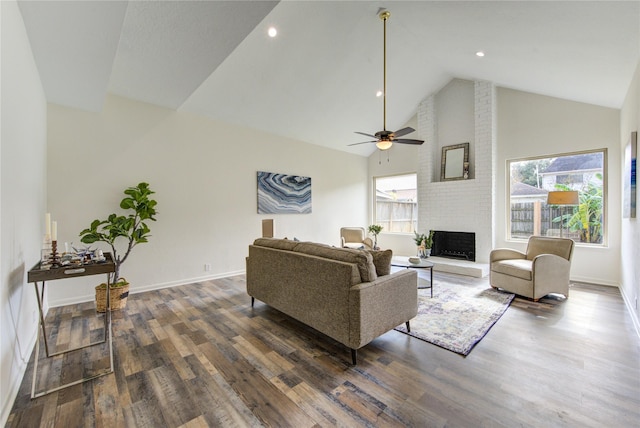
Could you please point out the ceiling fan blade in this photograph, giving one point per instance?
(403, 131)
(367, 135)
(408, 141)
(364, 142)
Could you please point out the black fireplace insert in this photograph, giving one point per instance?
(454, 245)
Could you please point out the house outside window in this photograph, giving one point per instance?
(532, 179)
(396, 203)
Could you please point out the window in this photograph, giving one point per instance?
(396, 203)
(532, 179)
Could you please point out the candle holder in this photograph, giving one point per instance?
(45, 253)
(55, 258)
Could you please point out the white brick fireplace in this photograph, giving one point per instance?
(463, 111)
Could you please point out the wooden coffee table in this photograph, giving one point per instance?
(424, 264)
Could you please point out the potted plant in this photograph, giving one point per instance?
(132, 228)
(375, 229)
(424, 243)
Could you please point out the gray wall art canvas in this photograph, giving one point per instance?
(283, 194)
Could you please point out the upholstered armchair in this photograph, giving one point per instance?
(542, 269)
(355, 237)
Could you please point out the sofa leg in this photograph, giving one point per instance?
(252, 300)
(354, 355)
(408, 327)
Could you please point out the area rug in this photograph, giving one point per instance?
(459, 315)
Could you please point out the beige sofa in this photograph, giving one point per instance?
(337, 291)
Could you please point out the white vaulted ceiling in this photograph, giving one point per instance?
(316, 81)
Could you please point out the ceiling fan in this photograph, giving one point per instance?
(384, 139)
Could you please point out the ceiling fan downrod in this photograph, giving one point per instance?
(385, 139)
(384, 15)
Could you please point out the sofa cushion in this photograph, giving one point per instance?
(280, 244)
(362, 259)
(382, 261)
(520, 268)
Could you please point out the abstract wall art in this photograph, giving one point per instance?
(630, 155)
(283, 194)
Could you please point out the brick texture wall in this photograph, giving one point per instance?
(463, 205)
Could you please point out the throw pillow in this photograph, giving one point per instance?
(280, 244)
(363, 260)
(382, 261)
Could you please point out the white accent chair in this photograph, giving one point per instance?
(355, 237)
(543, 269)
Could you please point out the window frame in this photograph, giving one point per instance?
(605, 199)
(375, 201)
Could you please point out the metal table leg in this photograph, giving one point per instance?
(108, 337)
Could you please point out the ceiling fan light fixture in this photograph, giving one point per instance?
(384, 144)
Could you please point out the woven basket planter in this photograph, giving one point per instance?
(117, 295)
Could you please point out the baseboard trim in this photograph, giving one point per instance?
(149, 287)
(630, 308)
(598, 281)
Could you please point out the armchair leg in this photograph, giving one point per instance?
(252, 300)
(408, 327)
(354, 354)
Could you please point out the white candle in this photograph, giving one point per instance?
(47, 224)
(54, 230)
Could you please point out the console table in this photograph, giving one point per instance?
(38, 275)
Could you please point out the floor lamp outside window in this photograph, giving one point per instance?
(563, 198)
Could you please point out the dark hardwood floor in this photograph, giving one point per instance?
(199, 355)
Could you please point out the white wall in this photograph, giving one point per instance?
(630, 121)
(534, 125)
(22, 199)
(204, 175)
(455, 121)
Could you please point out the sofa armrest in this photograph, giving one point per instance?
(549, 262)
(550, 275)
(505, 254)
(381, 305)
(368, 243)
(551, 266)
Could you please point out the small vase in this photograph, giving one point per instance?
(423, 253)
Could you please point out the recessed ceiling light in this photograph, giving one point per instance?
(480, 54)
(379, 94)
(272, 32)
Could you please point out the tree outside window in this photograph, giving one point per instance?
(532, 179)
